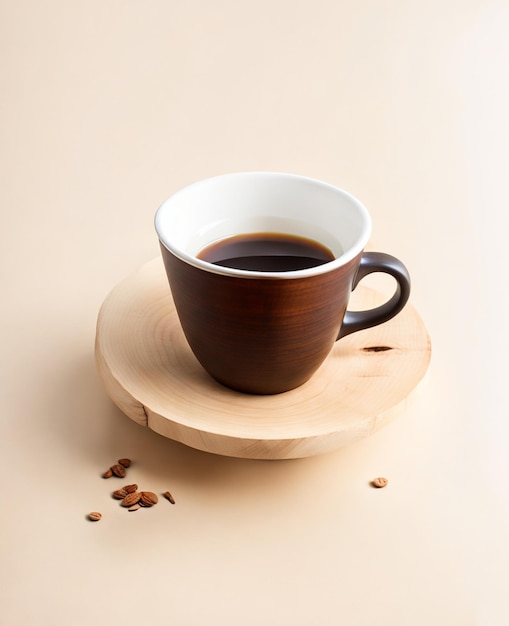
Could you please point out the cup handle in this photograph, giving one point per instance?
(378, 262)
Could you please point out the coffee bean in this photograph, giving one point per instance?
(130, 499)
(148, 498)
(120, 494)
(118, 470)
(169, 497)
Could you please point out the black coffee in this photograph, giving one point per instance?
(267, 252)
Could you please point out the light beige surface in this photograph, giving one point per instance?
(107, 108)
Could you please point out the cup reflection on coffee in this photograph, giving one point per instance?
(261, 266)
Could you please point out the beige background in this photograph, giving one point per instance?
(106, 109)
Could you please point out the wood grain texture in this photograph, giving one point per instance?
(151, 374)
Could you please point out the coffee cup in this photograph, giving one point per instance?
(261, 266)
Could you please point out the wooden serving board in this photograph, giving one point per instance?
(151, 374)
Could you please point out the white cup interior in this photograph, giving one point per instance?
(253, 202)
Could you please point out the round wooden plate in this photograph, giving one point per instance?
(151, 374)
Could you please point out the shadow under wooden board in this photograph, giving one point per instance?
(151, 374)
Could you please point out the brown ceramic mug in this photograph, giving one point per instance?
(259, 331)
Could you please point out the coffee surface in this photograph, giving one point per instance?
(267, 252)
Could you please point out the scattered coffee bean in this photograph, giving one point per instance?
(379, 482)
(169, 497)
(148, 498)
(130, 499)
(120, 494)
(118, 470)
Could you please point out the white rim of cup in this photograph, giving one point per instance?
(340, 261)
